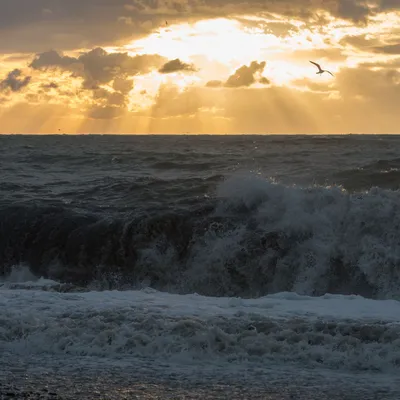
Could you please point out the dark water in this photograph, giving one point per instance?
(217, 215)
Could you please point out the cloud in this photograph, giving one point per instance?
(101, 82)
(244, 76)
(359, 41)
(107, 104)
(53, 59)
(313, 86)
(107, 112)
(106, 77)
(122, 85)
(77, 24)
(108, 97)
(358, 100)
(49, 86)
(388, 49)
(389, 5)
(363, 100)
(331, 54)
(170, 102)
(97, 66)
(265, 81)
(394, 63)
(176, 66)
(380, 89)
(214, 84)
(14, 81)
(68, 24)
(277, 27)
(356, 10)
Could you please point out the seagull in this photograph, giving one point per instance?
(320, 70)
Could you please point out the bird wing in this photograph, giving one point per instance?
(319, 67)
(329, 72)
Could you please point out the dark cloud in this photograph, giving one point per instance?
(214, 83)
(356, 10)
(109, 98)
(359, 41)
(49, 86)
(122, 85)
(97, 66)
(374, 44)
(176, 66)
(264, 80)
(36, 25)
(389, 5)
(245, 75)
(14, 81)
(362, 99)
(107, 104)
(51, 59)
(18, 58)
(68, 24)
(388, 49)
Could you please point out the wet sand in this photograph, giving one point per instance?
(67, 388)
(45, 377)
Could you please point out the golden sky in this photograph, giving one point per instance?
(199, 66)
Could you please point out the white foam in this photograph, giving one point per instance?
(280, 305)
(21, 277)
(326, 228)
(289, 327)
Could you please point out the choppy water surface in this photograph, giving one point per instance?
(208, 256)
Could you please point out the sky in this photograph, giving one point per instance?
(199, 66)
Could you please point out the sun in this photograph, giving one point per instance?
(222, 40)
(219, 46)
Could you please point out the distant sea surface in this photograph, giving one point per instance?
(210, 266)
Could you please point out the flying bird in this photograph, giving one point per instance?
(320, 70)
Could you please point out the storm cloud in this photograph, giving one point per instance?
(37, 25)
(97, 66)
(176, 66)
(14, 81)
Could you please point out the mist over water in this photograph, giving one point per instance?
(219, 251)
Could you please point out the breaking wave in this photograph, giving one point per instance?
(253, 238)
(194, 329)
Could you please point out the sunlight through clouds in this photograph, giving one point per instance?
(207, 60)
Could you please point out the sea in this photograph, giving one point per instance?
(200, 267)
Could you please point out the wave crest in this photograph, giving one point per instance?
(257, 237)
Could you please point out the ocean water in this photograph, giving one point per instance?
(200, 266)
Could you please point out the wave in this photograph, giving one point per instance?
(279, 329)
(382, 173)
(179, 165)
(254, 238)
